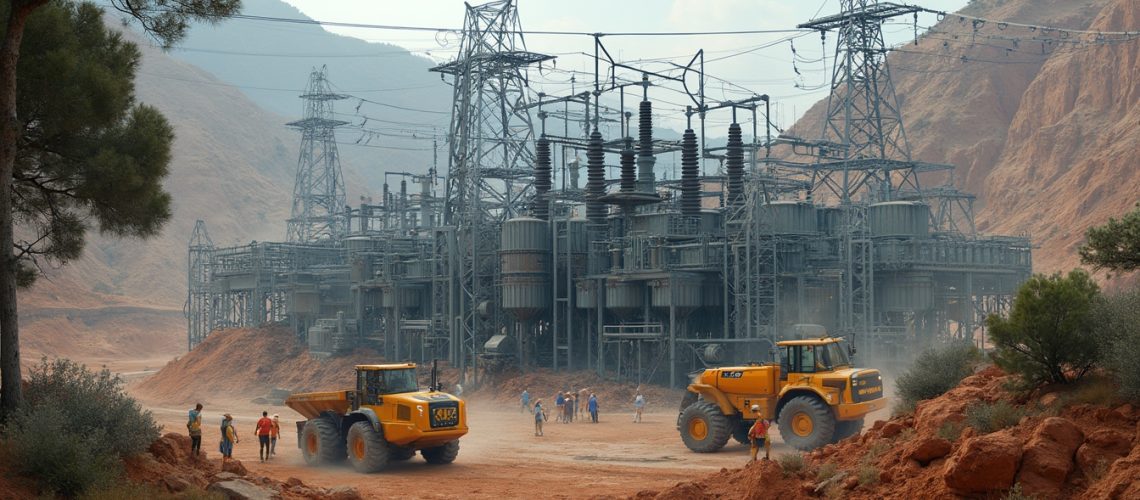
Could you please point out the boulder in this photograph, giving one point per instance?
(891, 429)
(1103, 446)
(1047, 458)
(931, 414)
(235, 467)
(175, 484)
(225, 476)
(240, 489)
(171, 448)
(344, 493)
(984, 464)
(923, 450)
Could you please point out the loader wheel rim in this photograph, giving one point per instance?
(358, 449)
(698, 428)
(311, 444)
(802, 424)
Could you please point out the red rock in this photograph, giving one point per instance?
(850, 483)
(885, 477)
(984, 464)
(292, 481)
(892, 429)
(171, 448)
(235, 467)
(923, 450)
(175, 484)
(878, 425)
(1048, 457)
(1103, 445)
(929, 415)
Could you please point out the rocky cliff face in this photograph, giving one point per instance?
(1044, 134)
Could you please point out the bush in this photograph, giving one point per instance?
(992, 417)
(1049, 335)
(1118, 324)
(867, 474)
(74, 427)
(791, 463)
(935, 371)
(826, 471)
(950, 431)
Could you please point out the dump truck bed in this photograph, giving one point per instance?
(312, 404)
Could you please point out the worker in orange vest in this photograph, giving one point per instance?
(758, 435)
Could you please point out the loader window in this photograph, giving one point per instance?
(374, 383)
(800, 359)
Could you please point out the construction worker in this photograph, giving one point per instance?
(229, 437)
(525, 399)
(194, 428)
(274, 435)
(593, 407)
(264, 431)
(758, 435)
(638, 407)
(560, 406)
(539, 417)
(583, 397)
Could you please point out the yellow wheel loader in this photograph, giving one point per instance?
(814, 394)
(386, 417)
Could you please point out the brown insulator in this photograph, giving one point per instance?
(542, 178)
(595, 180)
(690, 175)
(735, 165)
(645, 158)
(628, 167)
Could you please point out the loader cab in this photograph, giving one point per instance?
(374, 381)
(812, 356)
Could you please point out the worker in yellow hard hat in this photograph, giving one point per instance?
(758, 435)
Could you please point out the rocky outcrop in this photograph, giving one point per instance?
(984, 464)
(1048, 457)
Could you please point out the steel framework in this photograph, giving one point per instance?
(319, 203)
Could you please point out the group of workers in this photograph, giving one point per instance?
(570, 405)
(267, 431)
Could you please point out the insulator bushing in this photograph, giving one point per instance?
(734, 165)
(628, 167)
(542, 178)
(690, 175)
(645, 158)
(595, 180)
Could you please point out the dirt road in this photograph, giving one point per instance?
(500, 457)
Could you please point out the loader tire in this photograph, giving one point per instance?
(847, 428)
(367, 449)
(321, 443)
(740, 431)
(704, 429)
(441, 455)
(400, 453)
(687, 401)
(806, 423)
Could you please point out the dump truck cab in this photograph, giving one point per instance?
(813, 392)
(387, 416)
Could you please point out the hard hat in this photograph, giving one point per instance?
(755, 407)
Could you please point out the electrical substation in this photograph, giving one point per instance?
(500, 255)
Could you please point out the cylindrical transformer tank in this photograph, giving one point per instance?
(792, 217)
(625, 298)
(524, 254)
(903, 292)
(525, 296)
(525, 233)
(586, 294)
(409, 297)
(899, 219)
(829, 220)
(684, 293)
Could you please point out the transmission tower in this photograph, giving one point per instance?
(199, 307)
(490, 160)
(319, 202)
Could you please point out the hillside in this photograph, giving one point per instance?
(1040, 138)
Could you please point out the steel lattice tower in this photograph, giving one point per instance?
(199, 308)
(319, 202)
(490, 160)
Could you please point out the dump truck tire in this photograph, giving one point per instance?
(400, 453)
(321, 443)
(441, 455)
(806, 423)
(687, 401)
(740, 431)
(367, 449)
(846, 428)
(704, 429)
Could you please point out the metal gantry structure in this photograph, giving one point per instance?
(319, 203)
(636, 277)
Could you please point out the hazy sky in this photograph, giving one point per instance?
(762, 71)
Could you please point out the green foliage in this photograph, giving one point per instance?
(167, 21)
(867, 474)
(1016, 493)
(1049, 335)
(87, 151)
(43, 445)
(950, 431)
(1114, 246)
(993, 417)
(74, 428)
(826, 471)
(1118, 322)
(935, 371)
(791, 463)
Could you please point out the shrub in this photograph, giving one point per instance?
(74, 427)
(826, 471)
(1049, 334)
(867, 474)
(950, 431)
(992, 417)
(1118, 323)
(1015, 493)
(791, 463)
(935, 371)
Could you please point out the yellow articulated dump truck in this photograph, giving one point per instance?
(386, 417)
(814, 394)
